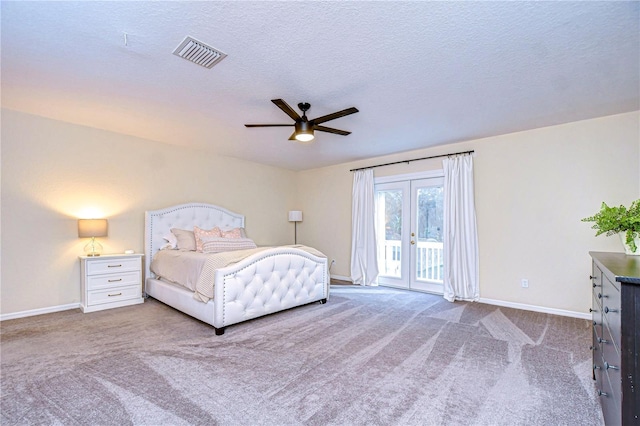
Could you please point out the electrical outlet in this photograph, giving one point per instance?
(525, 283)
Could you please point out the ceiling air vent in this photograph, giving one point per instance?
(199, 53)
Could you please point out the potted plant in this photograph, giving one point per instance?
(619, 220)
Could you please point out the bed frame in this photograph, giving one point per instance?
(273, 280)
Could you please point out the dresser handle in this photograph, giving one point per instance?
(601, 340)
(115, 281)
(114, 266)
(600, 393)
(117, 294)
(609, 366)
(607, 310)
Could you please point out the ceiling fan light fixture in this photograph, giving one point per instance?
(304, 132)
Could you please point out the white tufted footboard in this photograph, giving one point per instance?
(267, 282)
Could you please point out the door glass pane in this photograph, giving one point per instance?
(389, 231)
(429, 265)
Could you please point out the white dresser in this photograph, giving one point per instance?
(111, 281)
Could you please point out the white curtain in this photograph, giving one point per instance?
(364, 259)
(461, 273)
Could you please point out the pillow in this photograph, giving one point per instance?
(172, 242)
(232, 233)
(203, 235)
(185, 239)
(217, 245)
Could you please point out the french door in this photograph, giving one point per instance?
(409, 227)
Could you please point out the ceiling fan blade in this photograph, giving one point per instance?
(293, 136)
(286, 108)
(335, 115)
(331, 130)
(269, 125)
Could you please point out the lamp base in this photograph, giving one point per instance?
(93, 248)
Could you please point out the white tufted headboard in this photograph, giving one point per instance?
(158, 223)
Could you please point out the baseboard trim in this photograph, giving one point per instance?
(341, 278)
(535, 308)
(40, 311)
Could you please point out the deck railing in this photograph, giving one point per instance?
(429, 261)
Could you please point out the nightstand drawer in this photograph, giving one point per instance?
(114, 295)
(106, 281)
(108, 266)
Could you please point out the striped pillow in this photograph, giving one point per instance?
(217, 245)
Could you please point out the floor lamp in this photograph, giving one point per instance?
(295, 216)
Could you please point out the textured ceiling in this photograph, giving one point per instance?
(421, 73)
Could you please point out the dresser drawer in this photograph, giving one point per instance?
(611, 360)
(596, 278)
(98, 297)
(609, 400)
(611, 309)
(117, 265)
(596, 316)
(106, 281)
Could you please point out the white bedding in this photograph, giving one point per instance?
(179, 266)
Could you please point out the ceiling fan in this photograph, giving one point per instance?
(304, 127)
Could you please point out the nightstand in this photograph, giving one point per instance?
(110, 281)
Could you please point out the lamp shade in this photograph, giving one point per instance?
(295, 216)
(90, 228)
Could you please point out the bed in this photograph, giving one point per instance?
(269, 281)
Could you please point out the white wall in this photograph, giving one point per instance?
(532, 188)
(55, 172)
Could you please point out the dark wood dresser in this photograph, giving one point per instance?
(616, 336)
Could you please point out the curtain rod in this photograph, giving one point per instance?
(415, 159)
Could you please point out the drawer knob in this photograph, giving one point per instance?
(114, 266)
(600, 295)
(115, 281)
(600, 393)
(601, 340)
(116, 294)
(609, 366)
(591, 310)
(607, 309)
(596, 367)
(593, 348)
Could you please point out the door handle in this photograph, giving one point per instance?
(412, 242)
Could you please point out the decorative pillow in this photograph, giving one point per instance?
(203, 235)
(185, 239)
(233, 233)
(172, 242)
(217, 245)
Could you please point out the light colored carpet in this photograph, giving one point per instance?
(370, 356)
